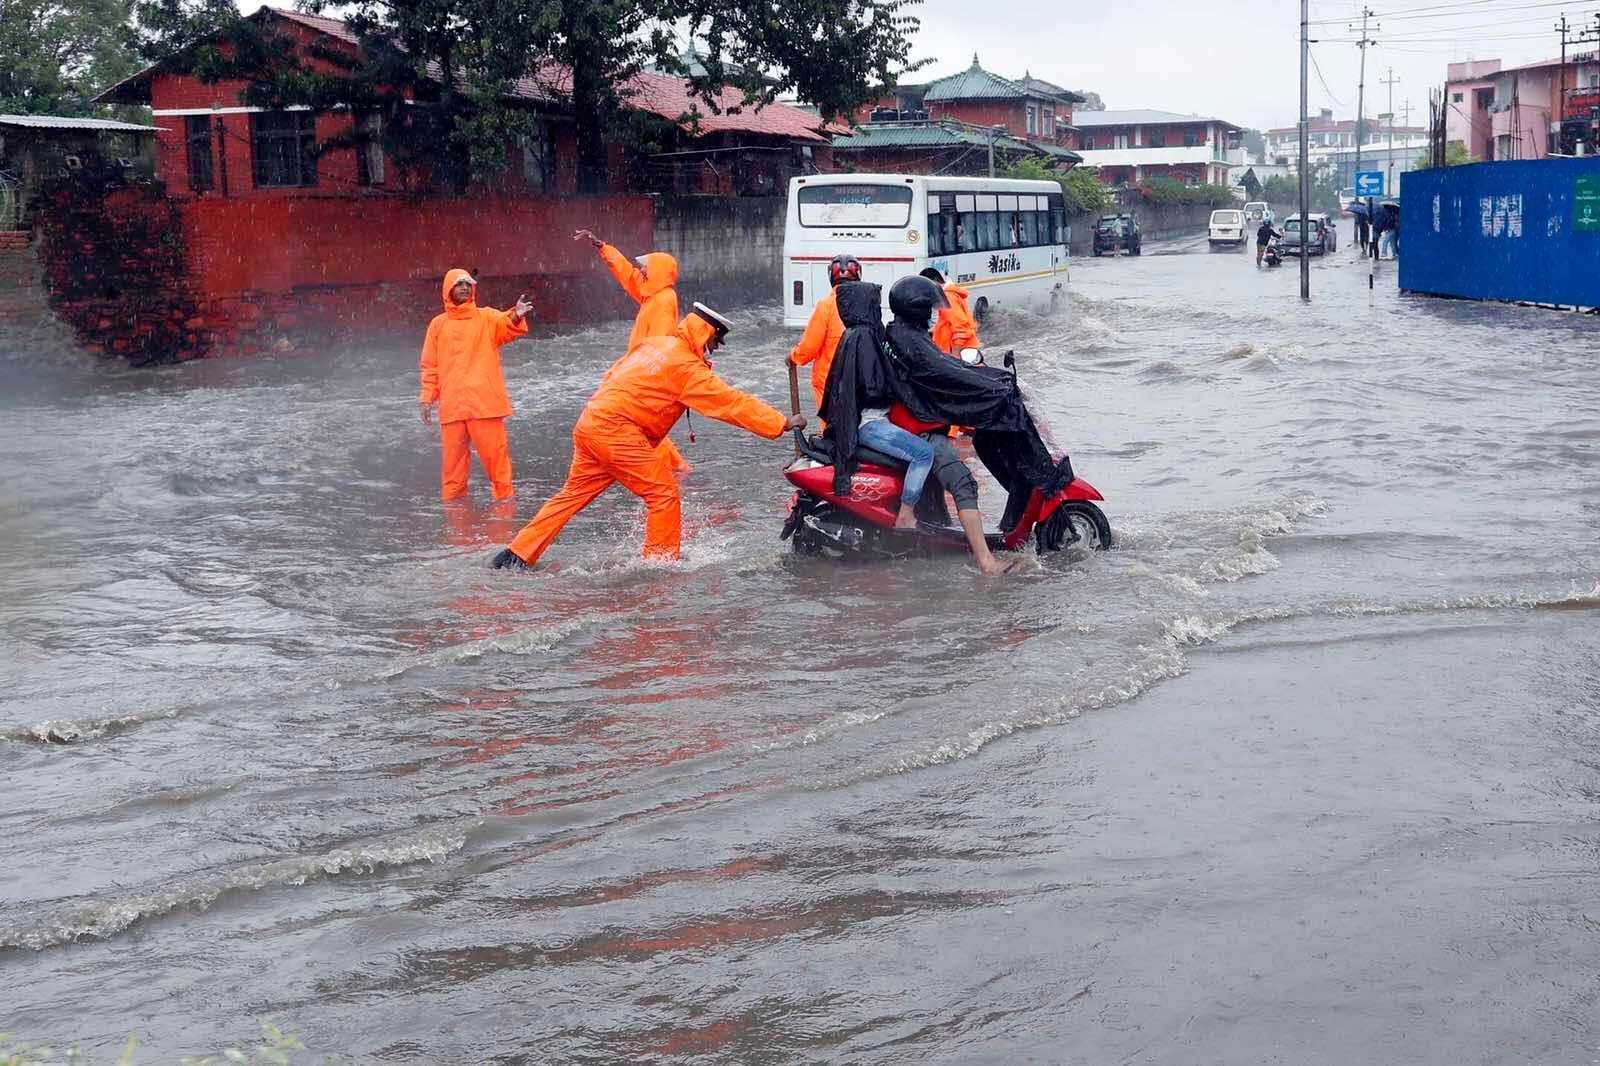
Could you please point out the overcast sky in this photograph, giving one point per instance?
(1238, 60)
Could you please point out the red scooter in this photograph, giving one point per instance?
(861, 525)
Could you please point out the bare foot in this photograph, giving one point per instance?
(991, 565)
(906, 519)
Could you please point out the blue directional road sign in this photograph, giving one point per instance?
(1369, 183)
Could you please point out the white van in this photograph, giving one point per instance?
(1227, 228)
(1255, 213)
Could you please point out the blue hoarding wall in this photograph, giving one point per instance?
(1504, 231)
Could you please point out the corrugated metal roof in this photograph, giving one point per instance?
(61, 122)
(974, 83)
(1140, 117)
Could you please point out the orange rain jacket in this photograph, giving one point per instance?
(651, 288)
(956, 328)
(653, 384)
(461, 357)
(818, 342)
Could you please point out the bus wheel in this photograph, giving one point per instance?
(981, 308)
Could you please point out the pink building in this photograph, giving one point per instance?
(1518, 113)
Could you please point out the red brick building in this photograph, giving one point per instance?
(214, 143)
(949, 125)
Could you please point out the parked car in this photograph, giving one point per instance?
(1227, 228)
(1319, 237)
(1117, 231)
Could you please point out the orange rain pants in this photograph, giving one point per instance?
(818, 343)
(488, 436)
(602, 456)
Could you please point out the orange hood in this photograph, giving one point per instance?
(660, 272)
(955, 290)
(455, 310)
(696, 332)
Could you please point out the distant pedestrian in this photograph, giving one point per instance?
(1363, 232)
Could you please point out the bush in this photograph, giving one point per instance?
(1168, 191)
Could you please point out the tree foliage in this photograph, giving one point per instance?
(1285, 191)
(463, 57)
(1091, 101)
(1167, 191)
(55, 56)
(1455, 154)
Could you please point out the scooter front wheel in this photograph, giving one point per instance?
(1075, 524)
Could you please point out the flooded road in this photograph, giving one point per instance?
(1307, 770)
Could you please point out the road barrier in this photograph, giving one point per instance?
(1526, 231)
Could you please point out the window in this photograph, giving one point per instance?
(1191, 138)
(1158, 138)
(197, 140)
(369, 149)
(1455, 98)
(283, 144)
(1033, 119)
(944, 226)
(988, 235)
(1058, 219)
(1088, 144)
(871, 206)
(538, 159)
(966, 222)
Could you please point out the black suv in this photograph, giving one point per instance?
(1117, 231)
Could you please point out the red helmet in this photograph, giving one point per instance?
(844, 268)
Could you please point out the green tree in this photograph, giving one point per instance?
(1455, 154)
(55, 56)
(1091, 101)
(1168, 191)
(1285, 191)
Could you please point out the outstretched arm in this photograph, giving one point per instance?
(628, 275)
(715, 398)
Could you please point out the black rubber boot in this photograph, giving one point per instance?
(506, 559)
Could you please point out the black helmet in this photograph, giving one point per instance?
(844, 267)
(915, 299)
(933, 275)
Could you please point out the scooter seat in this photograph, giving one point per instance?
(876, 458)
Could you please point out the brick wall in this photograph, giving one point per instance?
(153, 278)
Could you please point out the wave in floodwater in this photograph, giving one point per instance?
(100, 919)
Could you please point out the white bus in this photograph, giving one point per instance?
(1002, 239)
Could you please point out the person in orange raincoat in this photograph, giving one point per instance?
(618, 436)
(825, 328)
(955, 328)
(462, 379)
(649, 281)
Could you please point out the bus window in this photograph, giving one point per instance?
(1058, 219)
(988, 236)
(880, 206)
(1029, 228)
(966, 222)
(936, 237)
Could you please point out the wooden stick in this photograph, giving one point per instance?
(794, 400)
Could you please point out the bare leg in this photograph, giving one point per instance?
(972, 525)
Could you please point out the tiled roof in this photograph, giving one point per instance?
(1040, 87)
(1140, 117)
(974, 83)
(62, 122)
(939, 135)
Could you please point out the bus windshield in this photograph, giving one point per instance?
(877, 206)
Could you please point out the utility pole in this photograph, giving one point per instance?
(1305, 155)
(1361, 83)
(1561, 93)
(1388, 184)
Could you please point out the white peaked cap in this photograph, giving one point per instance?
(719, 320)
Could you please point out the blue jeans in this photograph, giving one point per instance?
(884, 436)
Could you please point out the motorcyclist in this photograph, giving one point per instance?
(619, 434)
(1264, 236)
(823, 331)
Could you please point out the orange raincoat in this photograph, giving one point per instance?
(461, 373)
(652, 289)
(956, 328)
(619, 434)
(818, 342)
